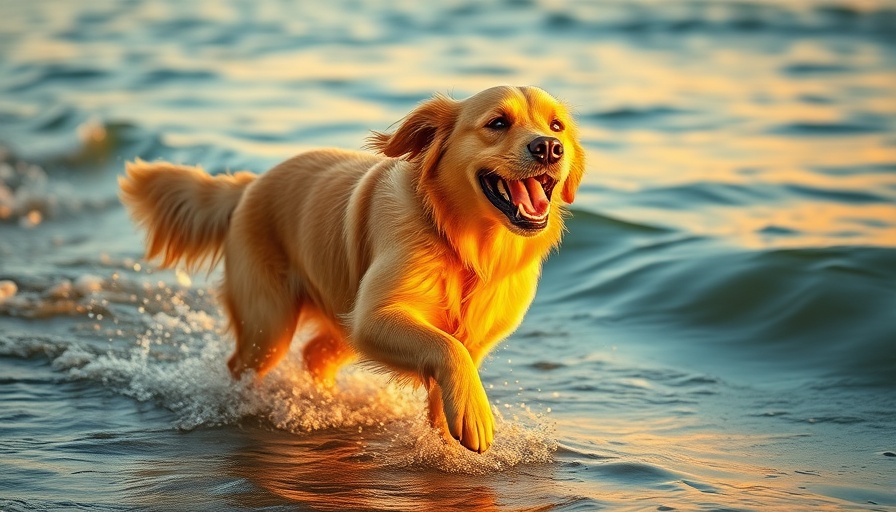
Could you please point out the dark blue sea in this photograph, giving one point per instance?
(717, 331)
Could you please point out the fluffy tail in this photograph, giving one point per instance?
(185, 211)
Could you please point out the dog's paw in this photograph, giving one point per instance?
(469, 415)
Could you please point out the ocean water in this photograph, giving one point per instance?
(717, 332)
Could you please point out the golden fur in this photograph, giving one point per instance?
(398, 258)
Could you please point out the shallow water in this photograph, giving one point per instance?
(716, 332)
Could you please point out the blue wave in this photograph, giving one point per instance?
(825, 308)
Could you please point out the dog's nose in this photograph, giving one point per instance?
(547, 150)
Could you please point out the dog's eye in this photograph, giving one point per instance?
(498, 123)
(556, 126)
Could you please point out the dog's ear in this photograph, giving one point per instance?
(576, 170)
(431, 121)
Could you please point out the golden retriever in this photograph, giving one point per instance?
(418, 259)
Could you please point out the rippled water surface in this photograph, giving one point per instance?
(716, 333)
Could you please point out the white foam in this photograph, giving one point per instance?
(29, 196)
(516, 442)
(199, 390)
(61, 297)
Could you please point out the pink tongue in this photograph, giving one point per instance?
(529, 193)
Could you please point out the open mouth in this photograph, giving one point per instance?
(525, 202)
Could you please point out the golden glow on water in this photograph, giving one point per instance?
(655, 462)
(671, 462)
(828, 192)
(338, 476)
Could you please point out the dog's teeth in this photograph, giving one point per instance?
(521, 213)
(502, 189)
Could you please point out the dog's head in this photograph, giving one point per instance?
(498, 156)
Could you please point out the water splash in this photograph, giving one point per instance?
(173, 353)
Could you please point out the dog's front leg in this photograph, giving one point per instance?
(400, 339)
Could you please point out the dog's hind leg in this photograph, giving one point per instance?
(263, 311)
(327, 351)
